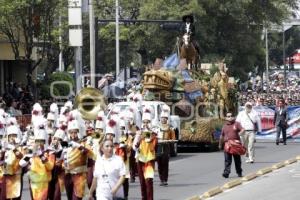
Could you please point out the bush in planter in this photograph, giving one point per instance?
(63, 89)
(45, 92)
(59, 89)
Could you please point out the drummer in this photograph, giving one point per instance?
(165, 136)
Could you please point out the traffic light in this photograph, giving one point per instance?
(171, 26)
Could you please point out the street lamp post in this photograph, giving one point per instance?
(267, 60)
(92, 42)
(283, 54)
(117, 40)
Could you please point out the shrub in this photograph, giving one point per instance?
(59, 89)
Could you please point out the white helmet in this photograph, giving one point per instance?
(54, 108)
(166, 108)
(59, 133)
(147, 115)
(73, 125)
(37, 109)
(69, 105)
(39, 122)
(100, 122)
(111, 127)
(51, 116)
(12, 121)
(41, 134)
(164, 114)
(11, 130)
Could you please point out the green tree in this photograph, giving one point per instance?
(34, 24)
(224, 29)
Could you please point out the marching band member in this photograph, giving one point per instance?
(164, 134)
(123, 151)
(39, 164)
(56, 185)
(52, 121)
(28, 136)
(99, 131)
(111, 130)
(145, 143)
(12, 179)
(37, 111)
(132, 129)
(75, 161)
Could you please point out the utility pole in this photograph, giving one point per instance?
(267, 60)
(117, 40)
(283, 54)
(61, 62)
(92, 43)
(75, 37)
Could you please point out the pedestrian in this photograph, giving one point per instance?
(250, 121)
(109, 174)
(231, 131)
(280, 121)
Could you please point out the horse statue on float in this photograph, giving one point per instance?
(188, 51)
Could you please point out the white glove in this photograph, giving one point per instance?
(74, 144)
(10, 147)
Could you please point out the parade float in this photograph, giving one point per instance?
(200, 99)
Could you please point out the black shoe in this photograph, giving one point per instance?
(284, 143)
(277, 143)
(225, 175)
(240, 175)
(166, 183)
(161, 184)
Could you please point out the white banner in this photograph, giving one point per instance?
(75, 37)
(74, 15)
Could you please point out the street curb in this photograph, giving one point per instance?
(194, 198)
(217, 190)
(249, 177)
(264, 171)
(278, 165)
(232, 184)
(290, 161)
(212, 192)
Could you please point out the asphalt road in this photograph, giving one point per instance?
(278, 185)
(194, 173)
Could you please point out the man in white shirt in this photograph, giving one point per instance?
(250, 121)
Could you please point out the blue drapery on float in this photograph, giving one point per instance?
(171, 62)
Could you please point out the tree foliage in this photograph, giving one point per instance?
(31, 24)
(227, 29)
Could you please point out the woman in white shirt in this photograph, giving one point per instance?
(109, 174)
